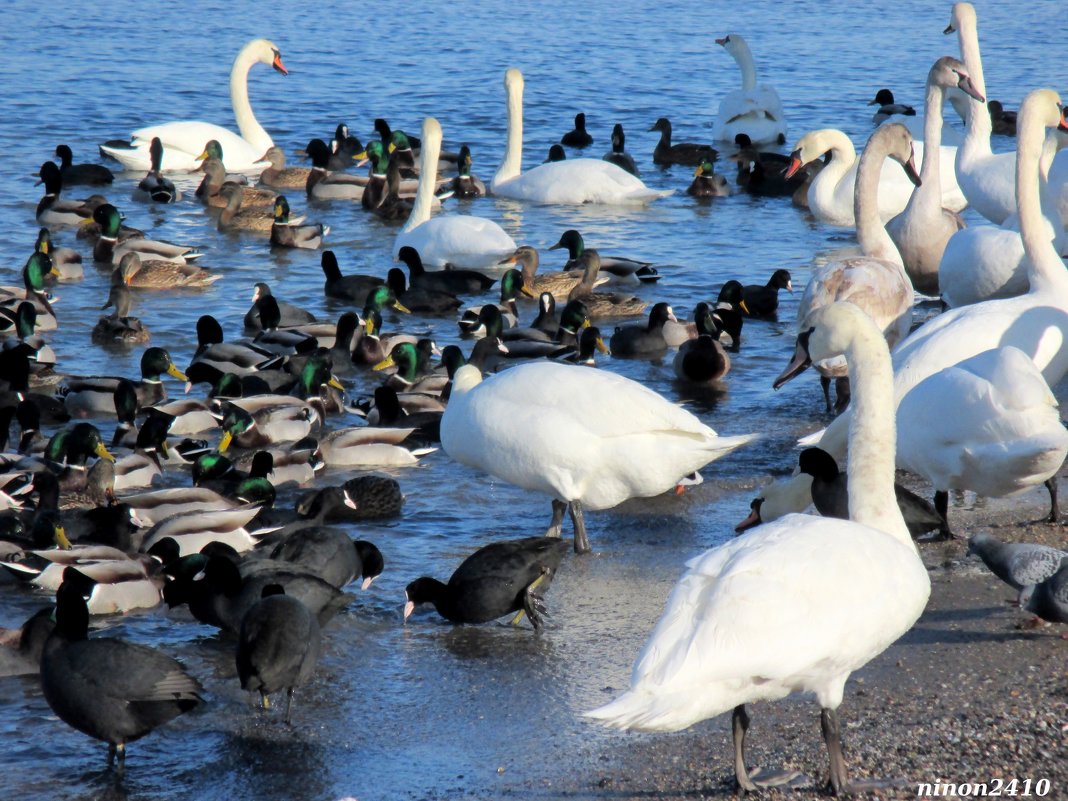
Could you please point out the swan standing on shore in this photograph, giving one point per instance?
(184, 141)
(797, 605)
(569, 181)
(590, 439)
(754, 110)
(922, 230)
(462, 240)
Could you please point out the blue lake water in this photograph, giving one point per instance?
(424, 710)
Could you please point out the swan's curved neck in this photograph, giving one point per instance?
(251, 130)
(873, 435)
(930, 172)
(979, 126)
(428, 172)
(744, 56)
(1045, 270)
(843, 156)
(874, 241)
(512, 164)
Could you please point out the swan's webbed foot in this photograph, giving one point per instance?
(747, 781)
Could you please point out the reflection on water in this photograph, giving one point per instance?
(424, 710)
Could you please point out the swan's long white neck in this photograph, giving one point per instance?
(930, 170)
(843, 156)
(251, 130)
(428, 173)
(512, 164)
(977, 136)
(874, 241)
(873, 433)
(1045, 270)
(744, 56)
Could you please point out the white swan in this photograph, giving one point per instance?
(876, 282)
(1036, 322)
(184, 141)
(987, 262)
(568, 181)
(922, 230)
(754, 110)
(587, 438)
(798, 605)
(461, 240)
(998, 431)
(830, 195)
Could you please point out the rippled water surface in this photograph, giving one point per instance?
(427, 710)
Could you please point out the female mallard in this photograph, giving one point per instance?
(602, 304)
(214, 180)
(559, 284)
(278, 176)
(120, 326)
(257, 219)
(136, 272)
(288, 233)
(154, 187)
(96, 394)
(81, 174)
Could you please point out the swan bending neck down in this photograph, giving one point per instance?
(184, 140)
(461, 240)
(568, 181)
(799, 604)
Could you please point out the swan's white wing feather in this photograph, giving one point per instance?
(578, 181)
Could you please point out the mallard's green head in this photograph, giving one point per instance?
(236, 422)
(281, 210)
(77, 444)
(512, 285)
(405, 358)
(377, 155)
(37, 267)
(209, 467)
(590, 340)
(316, 372)
(464, 162)
(155, 362)
(489, 316)
(452, 359)
(212, 150)
(382, 297)
(125, 402)
(706, 167)
(572, 240)
(702, 317)
(25, 319)
(256, 490)
(574, 317)
(399, 141)
(109, 219)
(732, 293)
(44, 241)
(48, 531)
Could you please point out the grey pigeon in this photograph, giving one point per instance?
(1021, 565)
(1050, 597)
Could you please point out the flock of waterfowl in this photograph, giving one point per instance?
(747, 621)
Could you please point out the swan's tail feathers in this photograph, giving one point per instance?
(644, 711)
(811, 440)
(129, 155)
(648, 195)
(721, 446)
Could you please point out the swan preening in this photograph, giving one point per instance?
(799, 604)
(754, 110)
(587, 438)
(461, 240)
(569, 181)
(184, 141)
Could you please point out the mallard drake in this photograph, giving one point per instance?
(154, 187)
(397, 200)
(267, 425)
(323, 184)
(644, 341)
(345, 287)
(888, 107)
(578, 137)
(471, 321)
(54, 210)
(215, 179)
(410, 361)
(763, 301)
(120, 326)
(457, 282)
(285, 465)
(374, 191)
(559, 284)
(602, 304)
(420, 299)
(590, 342)
(136, 688)
(14, 384)
(680, 153)
(66, 262)
(707, 183)
(192, 530)
(111, 245)
(730, 310)
(81, 174)
(96, 395)
(240, 358)
(369, 447)
(34, 272)
(496, 580)
(137, 272)
(67, 453)
(465, 185)
(373, 347)
(25, 324)
(287, 233)
(278, 176)
(152, 507)
(616, 265)
(617, 154)
(290, 314)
